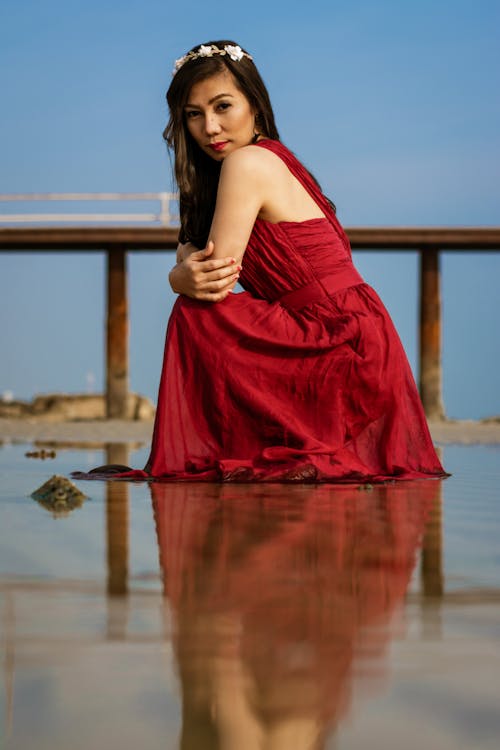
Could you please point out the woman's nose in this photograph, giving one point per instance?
(212, 125)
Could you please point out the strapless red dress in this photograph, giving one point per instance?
(302, 377)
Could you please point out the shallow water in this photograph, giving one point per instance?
(235, 617)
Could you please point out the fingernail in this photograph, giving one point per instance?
(233, 260)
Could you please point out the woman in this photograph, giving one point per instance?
(302, 377)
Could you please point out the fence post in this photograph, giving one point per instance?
(117, 335)
(430, 379)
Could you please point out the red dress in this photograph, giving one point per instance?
(301, 377)
(296, 591)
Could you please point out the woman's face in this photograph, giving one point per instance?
(219, 116)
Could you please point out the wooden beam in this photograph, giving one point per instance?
(70, 239)
(117, 335)
(430, 379)
(400, 239)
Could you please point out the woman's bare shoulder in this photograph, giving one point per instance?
(253, 161)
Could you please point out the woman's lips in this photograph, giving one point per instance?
(217, 146)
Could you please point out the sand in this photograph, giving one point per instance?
(464, 432)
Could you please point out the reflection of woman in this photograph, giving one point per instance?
(274, 595)
(303, 376)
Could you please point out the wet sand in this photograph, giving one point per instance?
(459, 432)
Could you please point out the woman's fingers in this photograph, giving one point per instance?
(205, 276)
(209, 265)
(218, 285)
(221, 273)
(216, 265)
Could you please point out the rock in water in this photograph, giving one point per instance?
(59, 496)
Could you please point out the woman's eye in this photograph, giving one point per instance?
(191, 113)
(223, 105)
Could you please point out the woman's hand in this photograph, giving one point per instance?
(202, 278)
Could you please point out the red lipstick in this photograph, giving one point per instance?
(218, 146)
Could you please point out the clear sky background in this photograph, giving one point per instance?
(392, 104)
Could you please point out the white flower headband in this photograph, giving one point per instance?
(204, 50)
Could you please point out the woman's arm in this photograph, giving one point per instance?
(243, 187)
(243, 183)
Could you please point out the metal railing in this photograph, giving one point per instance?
(164, 217)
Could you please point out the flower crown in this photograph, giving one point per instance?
(204, 50)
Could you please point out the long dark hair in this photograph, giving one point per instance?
(197, 175)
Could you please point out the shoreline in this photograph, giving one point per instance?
(101, 431)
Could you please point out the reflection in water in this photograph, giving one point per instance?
(432, 555)
(431, 574)
(117, 521)
(277, 593)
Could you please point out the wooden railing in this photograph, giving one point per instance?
(117, 241)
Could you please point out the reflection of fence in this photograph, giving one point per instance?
(116, 241)
(163, 216)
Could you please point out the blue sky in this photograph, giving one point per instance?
(393, 105)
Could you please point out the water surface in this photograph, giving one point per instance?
(234, 617)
